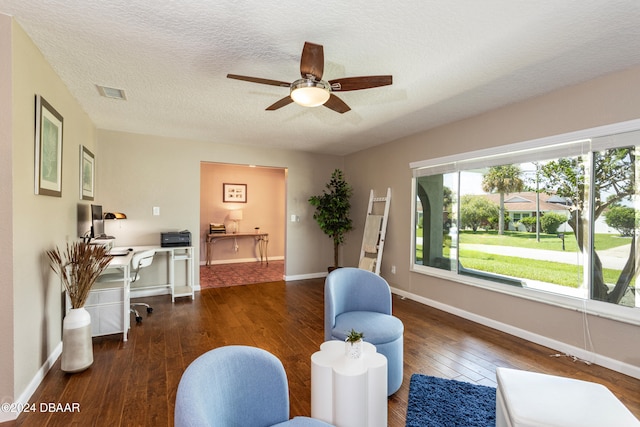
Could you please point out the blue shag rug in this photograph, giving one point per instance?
(438, 402)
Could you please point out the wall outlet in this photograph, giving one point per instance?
(156, 210)
(393, 269)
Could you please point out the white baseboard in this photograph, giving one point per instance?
(240, 260)
(33, 385)
(141, 293)
(304, 276)
(580, 353)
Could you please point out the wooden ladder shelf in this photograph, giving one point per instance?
(375, 229)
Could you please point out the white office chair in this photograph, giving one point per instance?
(139, 260)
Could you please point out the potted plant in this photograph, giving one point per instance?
(353, 344)
(332, 211)
(78, 268)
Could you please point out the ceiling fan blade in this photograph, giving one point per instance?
(357, 83)
(259, 80)
(312, 61)
(336, 104)
(279, 104)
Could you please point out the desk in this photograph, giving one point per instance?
(173, 254)
(262, 240)
(109, 302)
(349, 393)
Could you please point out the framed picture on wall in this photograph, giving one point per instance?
(234, 193)
(48, 149)
(87, 173)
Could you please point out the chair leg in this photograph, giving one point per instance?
(137, 304)
(138, 317)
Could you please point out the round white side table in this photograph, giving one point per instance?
(346, 392)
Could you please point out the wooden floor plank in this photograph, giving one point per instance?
(135, 383)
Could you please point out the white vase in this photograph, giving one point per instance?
(77, 347)
(353, 350)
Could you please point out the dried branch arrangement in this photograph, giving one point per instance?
(78, 268)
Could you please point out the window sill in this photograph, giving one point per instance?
(605, 310)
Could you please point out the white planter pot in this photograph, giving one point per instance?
(353, 350)
(77, 347)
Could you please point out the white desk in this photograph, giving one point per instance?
(109, 302)
(349, 393)
(173, 254)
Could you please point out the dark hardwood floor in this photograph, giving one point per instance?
(134, 383)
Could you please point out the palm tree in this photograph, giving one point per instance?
(502, 179)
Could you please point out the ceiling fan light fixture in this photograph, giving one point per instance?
(310, 93)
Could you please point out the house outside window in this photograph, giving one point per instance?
(574, 256)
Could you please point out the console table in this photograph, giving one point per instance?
(261, 239)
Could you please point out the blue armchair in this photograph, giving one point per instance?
(236, 386)
(361, 300)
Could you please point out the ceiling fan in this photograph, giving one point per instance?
(311, 90)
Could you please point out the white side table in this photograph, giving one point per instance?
(349, 393)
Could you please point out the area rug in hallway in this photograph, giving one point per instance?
(245, 273)
(439, 402)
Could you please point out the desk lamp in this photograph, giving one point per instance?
(235, 216)
(115, 215)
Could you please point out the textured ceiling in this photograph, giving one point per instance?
(449, 60)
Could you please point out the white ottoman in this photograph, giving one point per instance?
(529, 399)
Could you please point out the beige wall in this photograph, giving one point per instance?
(610, 99)
(6, 213)
(137, 172)
(38, 222)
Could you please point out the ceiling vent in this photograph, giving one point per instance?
(109, 92)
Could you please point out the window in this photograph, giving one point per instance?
(551, 220)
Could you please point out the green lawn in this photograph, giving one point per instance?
(526, 268)
(547, 241)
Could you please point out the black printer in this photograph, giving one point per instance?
(172, 239)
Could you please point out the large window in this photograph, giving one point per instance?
(551, 221)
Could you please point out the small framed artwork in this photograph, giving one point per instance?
(234, 193)
(48, 149)
(87, 173)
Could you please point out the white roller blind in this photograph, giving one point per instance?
(508, 156)
(553, 147)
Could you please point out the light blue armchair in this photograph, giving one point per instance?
(236, 386)
(361, 300)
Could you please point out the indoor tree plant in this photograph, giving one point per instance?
(78, 268)
(332, 211)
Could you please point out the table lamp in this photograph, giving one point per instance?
(235, 216)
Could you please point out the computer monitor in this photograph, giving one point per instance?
(97, 222)
(84, 221)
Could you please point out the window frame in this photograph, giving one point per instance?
(554, 145)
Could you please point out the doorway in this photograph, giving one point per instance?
(256, 195)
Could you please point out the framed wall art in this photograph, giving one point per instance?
(87, 173)
(234, 193)
(48, 149)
